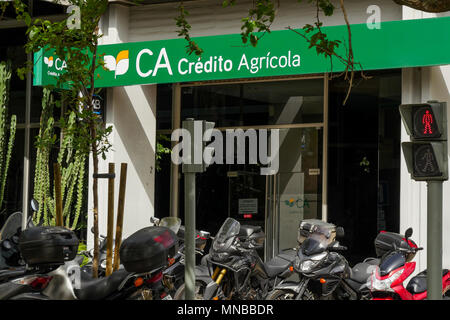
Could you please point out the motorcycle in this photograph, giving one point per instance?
(9, 240)
(144, 255)
(11, 262)
(173, 275)
(323, 271)
(239, 273)
(387, 280)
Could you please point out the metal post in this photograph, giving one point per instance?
(58, 195)
(325, 149)
(189, 236)
(26, 155)
(434, 240)
(174, 168)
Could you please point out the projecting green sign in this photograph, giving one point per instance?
(397, 44)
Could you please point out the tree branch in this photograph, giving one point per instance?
(426, 5)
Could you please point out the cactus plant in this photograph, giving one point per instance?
(6, 143)
(72, 163)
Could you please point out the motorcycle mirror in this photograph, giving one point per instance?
(34, 205)
(205, 234)
(154, 220)
(30, 223)
(340, 232)
(408, 233)
(173, 223)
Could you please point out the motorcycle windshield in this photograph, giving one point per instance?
(11, 226)
(227, 232)
(391, 262)
(314, 244)
(172, 223)
(326, 232)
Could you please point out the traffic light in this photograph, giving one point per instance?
(200, 132)
(426, 154)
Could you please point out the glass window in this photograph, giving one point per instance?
(258, 103)
(164, 107)
(364, 159)
(13, 51)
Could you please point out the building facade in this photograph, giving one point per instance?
(339, 163)
(347, 168)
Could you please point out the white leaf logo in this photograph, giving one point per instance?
(110, 63)
(119, 64)
(48, 61)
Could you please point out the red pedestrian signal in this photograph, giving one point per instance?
(424, 123)
(427, 120)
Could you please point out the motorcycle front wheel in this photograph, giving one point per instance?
(199, 291)
(281, 294)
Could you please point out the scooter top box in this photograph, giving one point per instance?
(310, 226)
(148, 249)
(47, 245)
(388, 241)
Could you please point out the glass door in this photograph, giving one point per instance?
(295, 192)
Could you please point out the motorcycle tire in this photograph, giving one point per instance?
(281, 294)
(199, 289)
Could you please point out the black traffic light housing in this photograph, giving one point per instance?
(426, 154)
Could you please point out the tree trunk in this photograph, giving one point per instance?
(95, 198)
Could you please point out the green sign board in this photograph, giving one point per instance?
(397, 44)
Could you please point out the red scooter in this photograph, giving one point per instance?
(386, 281)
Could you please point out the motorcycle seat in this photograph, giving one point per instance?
(280, 263)
(7, 274)
(361, 271)
(100, 288)
(418, 284)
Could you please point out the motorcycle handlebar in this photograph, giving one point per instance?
(409, 250)
(338, 248)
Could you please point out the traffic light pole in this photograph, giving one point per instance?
(426, 158)
(189, 248)
(434, 240)
(195, 163)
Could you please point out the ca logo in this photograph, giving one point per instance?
(119, 64)
(48, 61)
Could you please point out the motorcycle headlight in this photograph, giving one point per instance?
(307, 265)
(222, 245)
(219, 256)
(378, 283)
